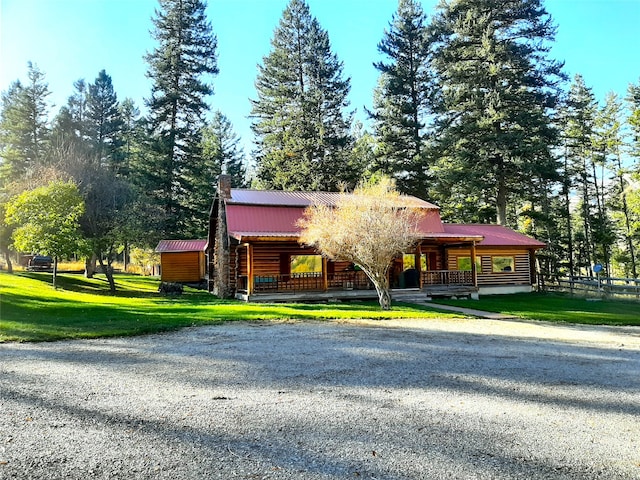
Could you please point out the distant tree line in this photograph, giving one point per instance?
(470, 112)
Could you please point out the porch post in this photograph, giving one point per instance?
(532, 266)
(474, 270)
(325, 278)
(249, 269)
(418, 262)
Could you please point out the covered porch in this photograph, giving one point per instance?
(283, 270)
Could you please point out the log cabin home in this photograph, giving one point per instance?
(254, 254)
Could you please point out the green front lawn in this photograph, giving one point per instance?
(31, 310)
(557, 308)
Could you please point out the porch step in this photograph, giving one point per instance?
(427, 293)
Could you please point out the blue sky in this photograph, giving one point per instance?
(71, 39)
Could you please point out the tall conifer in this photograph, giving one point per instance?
(302, 132)
(401, 101)
(180, 68)
(496, 89)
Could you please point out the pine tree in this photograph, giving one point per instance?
(401, 100)
(496, 90)
(611, 144)
(579, 135)
(131, 132)
(221, 151)
(104, 123)
(24, 129)
(302, 133)
(180, 67)
(633, 120)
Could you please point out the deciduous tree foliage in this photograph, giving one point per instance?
(369, 227)
(180, 68)
(302, 132)
(47, 220)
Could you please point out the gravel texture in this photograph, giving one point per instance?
(410, 399)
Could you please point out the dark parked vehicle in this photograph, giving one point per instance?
(40, 263)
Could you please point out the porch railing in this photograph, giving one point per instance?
(447, 277)
(352, 280)
(299, 282)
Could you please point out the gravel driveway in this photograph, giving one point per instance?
(410, 399)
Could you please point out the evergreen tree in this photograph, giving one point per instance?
(633, 120)
(104, 123)
(611, 143)
(77, 106)
(222, 153)
(496, 90)
(130, 132)
(579, 139)
(24, 129)
(179, 68)
(401, 101)
(302, 133)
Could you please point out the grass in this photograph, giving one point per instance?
(557, 308)
(31, 310)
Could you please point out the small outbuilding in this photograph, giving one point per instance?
(182, 261)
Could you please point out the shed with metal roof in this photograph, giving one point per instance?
(182, 261)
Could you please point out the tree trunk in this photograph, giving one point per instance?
(125, 256)
(7, 257)
(384, 298)
(90, 266)
(108, 271)
(55, 272)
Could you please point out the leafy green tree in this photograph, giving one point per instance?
(302, 132)
(104, 123)
(495, 90)
(47, 220)
(24, 129)
(179, 67)
(401, 101)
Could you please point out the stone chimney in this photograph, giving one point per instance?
(224, 187)
(221, 251)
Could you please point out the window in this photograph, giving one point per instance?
(408, 261)
(464, 264)
(306, 264)
(503, 264)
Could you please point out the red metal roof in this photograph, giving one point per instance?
(166, 246)
(271, 221)
(494, 235)
(296, 199)
(257, 221)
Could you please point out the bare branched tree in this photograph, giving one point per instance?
(369, 228)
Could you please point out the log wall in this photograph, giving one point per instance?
(182, 266)
(521, 275)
